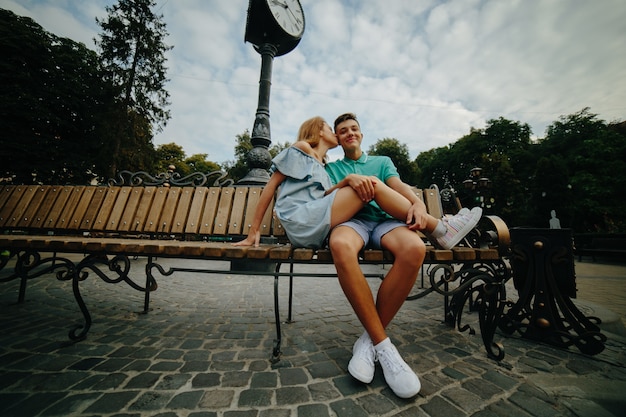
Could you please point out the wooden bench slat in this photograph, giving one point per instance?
(119, 206)
(88, 208)
(194, 219)
(101, 218)
(179, 220)
(281, 253)
(46, 217)
(240, 197)
(65, 207)
(169, 209)
(152, 224)
(303, 254)
(209, 211)
(143, 209)
(32, 216)
(433, 203)
(7, 202)
(127, 218)
(223, 211)
(22, 197)
(440, 255)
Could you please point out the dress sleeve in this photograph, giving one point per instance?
(293, 163)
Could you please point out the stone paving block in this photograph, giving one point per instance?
(348, 408)
(292, 395)
(313, 410)
(437, 406)
(72, 404)
(376, 404)
(151, 401)
(264, 380)
(185, 400)
(255, 398)
(217, 399)
(143, 380)
(206, 380)
(293, 376)
(111, 402)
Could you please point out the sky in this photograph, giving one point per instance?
(424, 72)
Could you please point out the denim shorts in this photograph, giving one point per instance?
(371, 231)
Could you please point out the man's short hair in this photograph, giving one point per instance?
(343, 118)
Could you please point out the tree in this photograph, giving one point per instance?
(594, 155)
(238, 168)
(173, 154)
(53, 106)
(399, 154)
(132, 53)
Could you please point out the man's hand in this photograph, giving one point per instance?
(363, 185)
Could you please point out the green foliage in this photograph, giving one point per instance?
(399, 154)
(173, 154)
(53, 106)
(577, 170)
(132, 54)
(238, 168)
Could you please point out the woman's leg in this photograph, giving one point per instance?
(347, 204)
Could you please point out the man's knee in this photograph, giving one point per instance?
(406, 246)
(344, 242)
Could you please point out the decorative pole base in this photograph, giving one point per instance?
(543, 272)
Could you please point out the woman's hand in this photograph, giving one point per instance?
(253, 239)
(417, 217)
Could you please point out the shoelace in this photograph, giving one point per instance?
(384, 358)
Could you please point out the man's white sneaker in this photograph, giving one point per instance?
(399, 376)
(361, 365)
(458, 227)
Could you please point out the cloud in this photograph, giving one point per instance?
(423, 72)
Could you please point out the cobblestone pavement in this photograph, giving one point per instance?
(203, 350)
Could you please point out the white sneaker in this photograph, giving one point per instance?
(399, 376)
(361, 365)
(458, 227)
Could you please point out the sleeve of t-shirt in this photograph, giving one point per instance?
(388, 169)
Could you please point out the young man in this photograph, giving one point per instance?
(374, 227)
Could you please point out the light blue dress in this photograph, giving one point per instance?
(301, 205)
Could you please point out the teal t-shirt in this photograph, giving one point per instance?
(378, 166)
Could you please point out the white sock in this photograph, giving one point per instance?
(440, 230)
(382, 345)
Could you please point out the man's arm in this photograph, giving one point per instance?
(417, 215)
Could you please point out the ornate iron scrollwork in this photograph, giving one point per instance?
(170, 178)
(481, 286)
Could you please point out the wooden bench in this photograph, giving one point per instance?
(159, 219)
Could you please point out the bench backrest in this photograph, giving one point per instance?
(188, 212)
(180, 211)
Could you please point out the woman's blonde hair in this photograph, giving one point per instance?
(310, 130)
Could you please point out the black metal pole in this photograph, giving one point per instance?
(259, 158)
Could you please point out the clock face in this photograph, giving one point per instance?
(289, 15)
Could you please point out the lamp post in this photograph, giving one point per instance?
(478, 184)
